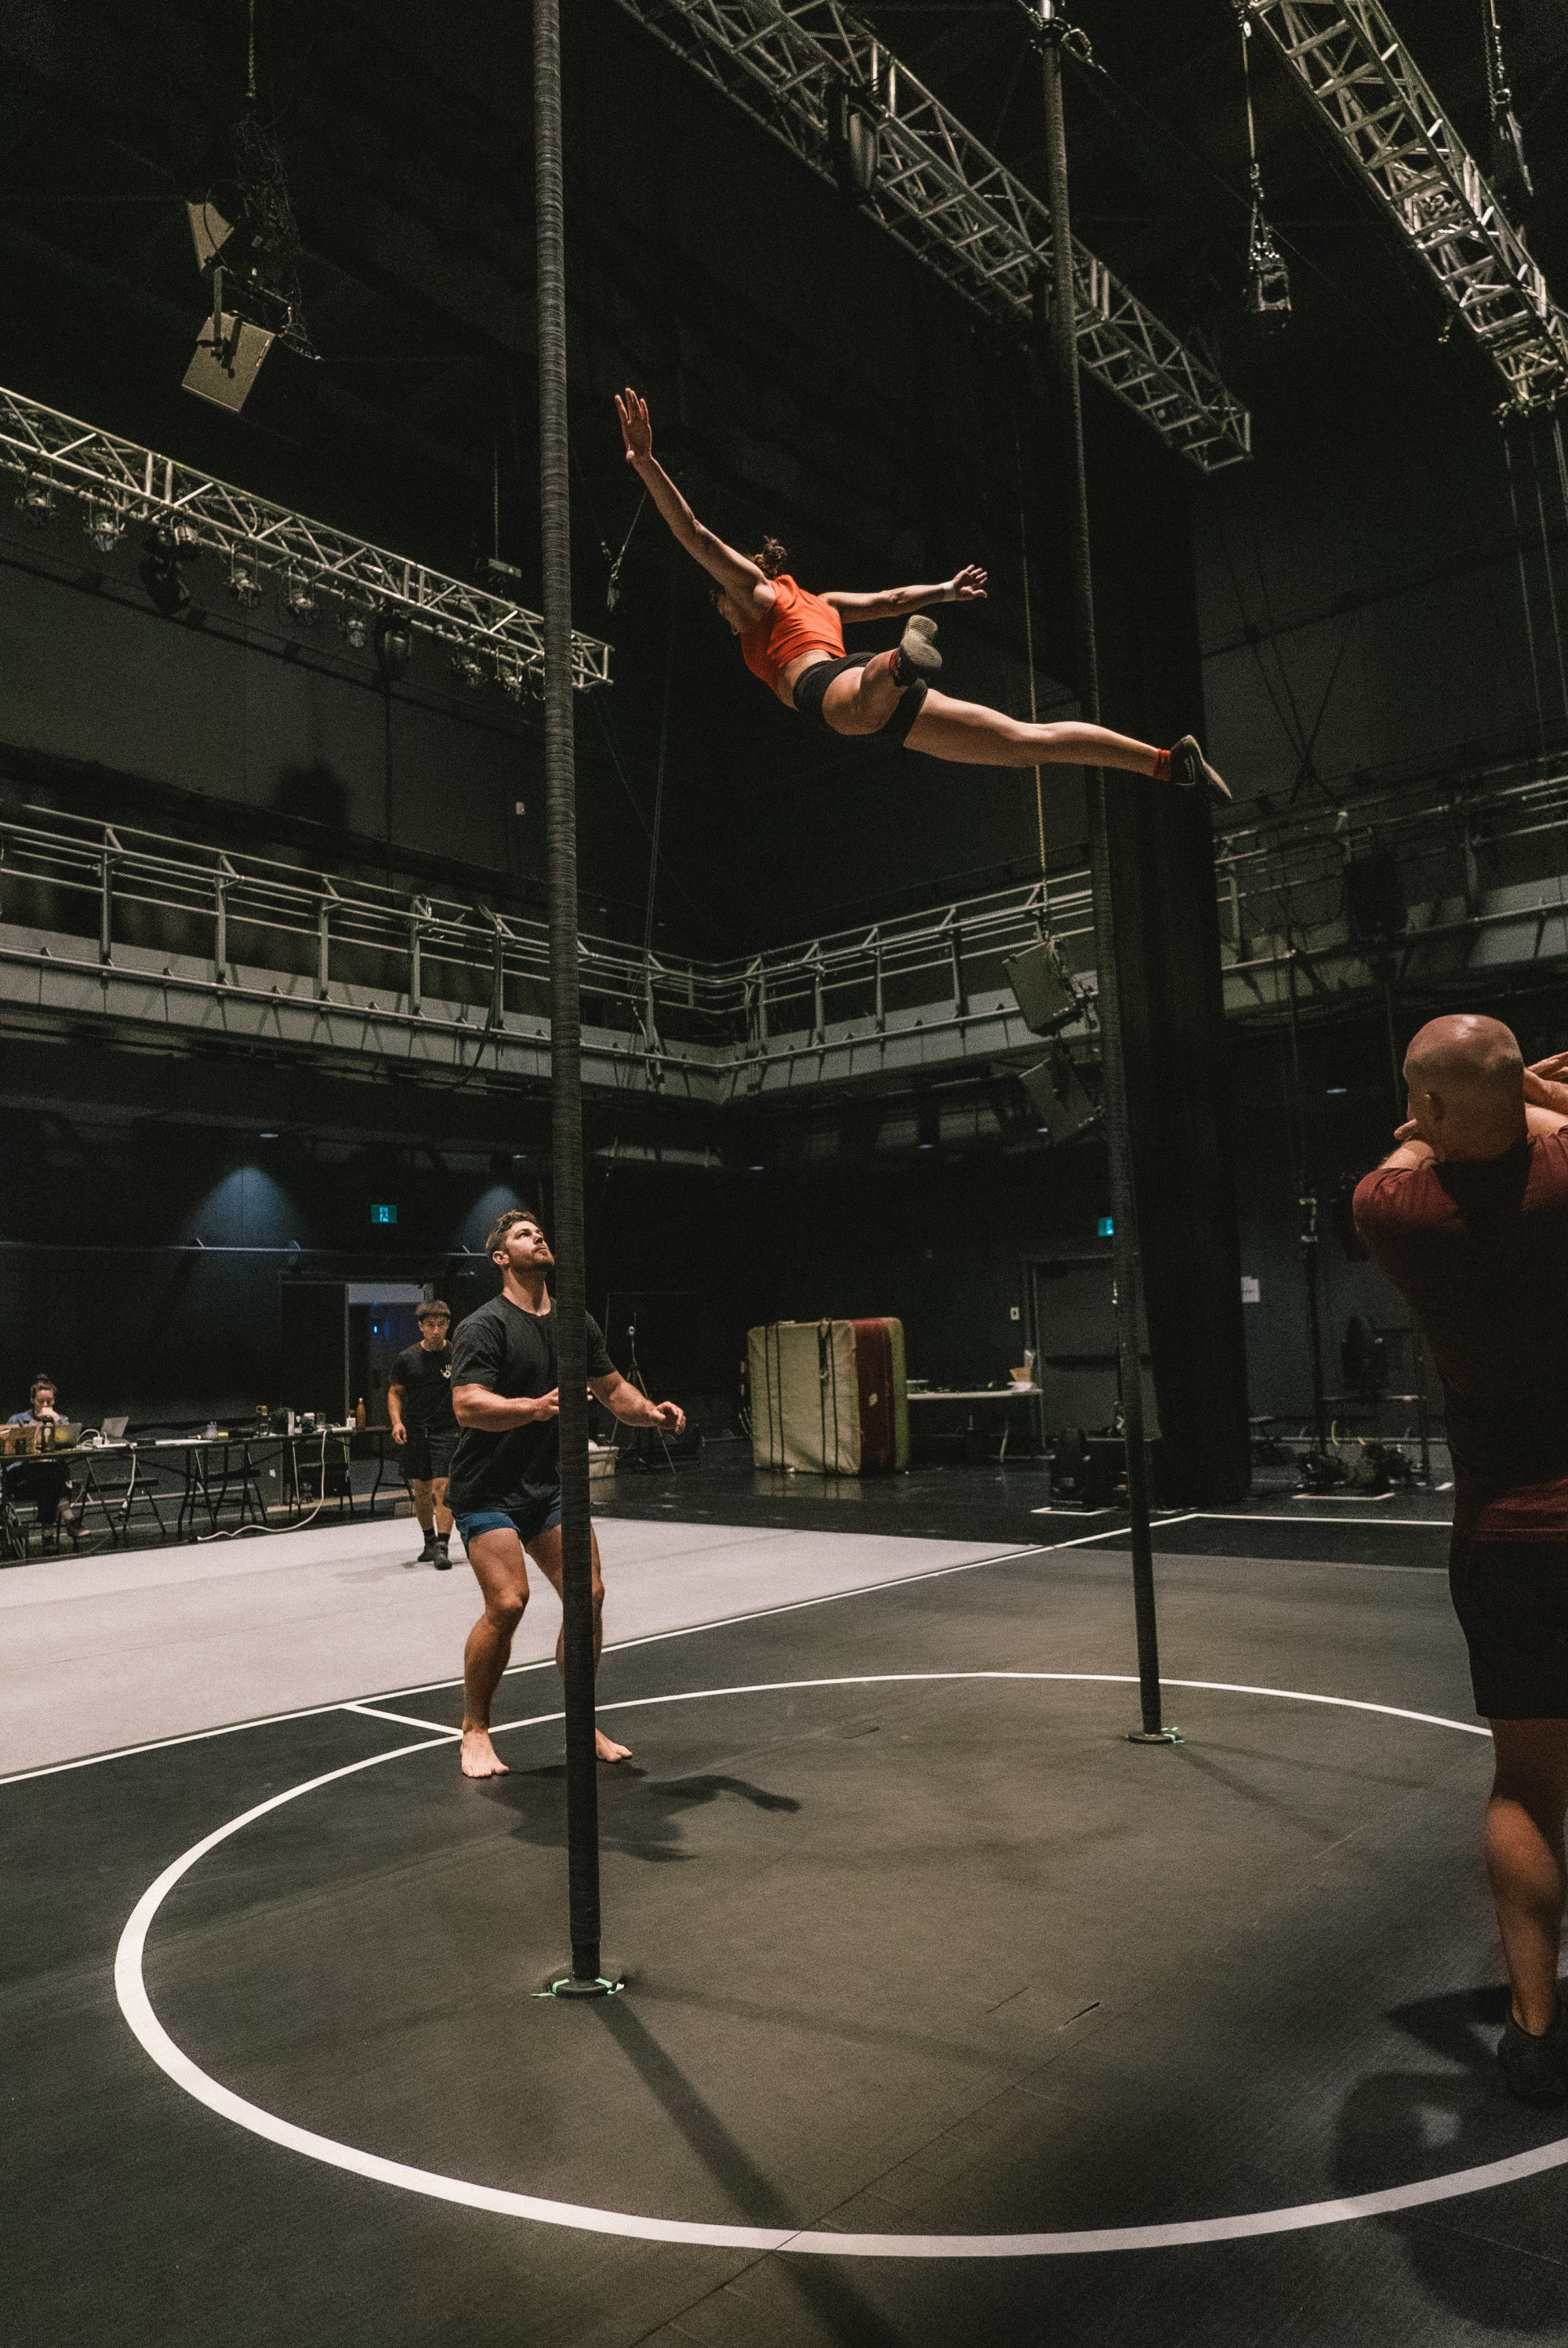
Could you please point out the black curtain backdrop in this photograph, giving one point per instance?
(1167, 921)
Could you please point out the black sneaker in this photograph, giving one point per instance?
(1536, 2069)
(439, 1556)
(428, 1554)
(1189, 768)
(916, 660)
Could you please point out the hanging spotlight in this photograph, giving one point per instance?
(245, 581)
(1268, 278)
(105, 522)
(161, 574)
(469, 669)
(300, 594)
(393, 643)
(356, 625)
(35, 498)
(510, 677)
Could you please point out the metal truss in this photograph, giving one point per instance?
(795, 65)
(1364, 83)
(117, 483)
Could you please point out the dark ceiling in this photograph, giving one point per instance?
(809, 375)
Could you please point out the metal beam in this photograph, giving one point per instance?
(1381, 110)
(792, 65)
(117, 483)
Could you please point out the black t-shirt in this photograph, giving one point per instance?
(425, 1384)
(513, 1352)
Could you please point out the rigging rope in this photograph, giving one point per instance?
(1525, 591)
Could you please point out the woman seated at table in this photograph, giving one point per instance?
(46, 1482)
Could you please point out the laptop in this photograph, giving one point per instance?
(114, 1429)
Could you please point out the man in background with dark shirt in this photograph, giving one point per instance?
(1469, 1218)
(419, 1404)
(504, 1489)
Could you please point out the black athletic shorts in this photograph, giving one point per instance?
(811, 691)
(427, 1455)
(1511, 1600)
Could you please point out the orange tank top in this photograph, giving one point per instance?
(799, 622)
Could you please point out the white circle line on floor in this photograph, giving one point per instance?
(130, 1988)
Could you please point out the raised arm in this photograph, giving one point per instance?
(736, 573)
(965, 586)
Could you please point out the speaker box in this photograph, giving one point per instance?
(1062, 1107)
(1040, 987)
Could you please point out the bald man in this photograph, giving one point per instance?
(1469, 1218)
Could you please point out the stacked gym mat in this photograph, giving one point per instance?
(828, 1397)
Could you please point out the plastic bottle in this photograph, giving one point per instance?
(359, 1415)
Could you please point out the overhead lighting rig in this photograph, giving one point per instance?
(59, 457)
(1268, 278)
(812, 74)
(1365, 83)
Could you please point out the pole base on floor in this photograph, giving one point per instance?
(1155, 1736)
(609, 1981)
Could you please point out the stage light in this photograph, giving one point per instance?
(300, 594)
(394, 643)
(105, 522)
(471, 670)
(356, 625)
(161, 574)
(35, 498)
(268, 1137)
(244, 582)
(510, 677)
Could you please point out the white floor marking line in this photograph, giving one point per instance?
(514, 1671)
(403, 1719)
(1244, 1516)
(136, 2006)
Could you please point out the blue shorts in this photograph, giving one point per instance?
(542, 1517)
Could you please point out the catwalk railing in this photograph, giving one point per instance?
(816, 77)
(109, 924)
(115, 483)
(1384, 116)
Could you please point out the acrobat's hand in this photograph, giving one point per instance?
(672, 1417)
(636, 424)
(968, 585)
(1554, 1066)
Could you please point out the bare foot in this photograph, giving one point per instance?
(479, 1757)
(607, 1749)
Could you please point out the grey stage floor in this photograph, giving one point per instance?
(910, 1956)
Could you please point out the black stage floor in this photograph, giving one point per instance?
(911, 1957)
(1012, 1503)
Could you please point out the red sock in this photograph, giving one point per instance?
(1162, 773)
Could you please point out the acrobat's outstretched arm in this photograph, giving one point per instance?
(736, 573)
(965, 586)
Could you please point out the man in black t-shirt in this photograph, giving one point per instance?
(419, 1404)
(505, 1485)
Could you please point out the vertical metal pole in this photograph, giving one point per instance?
(1118, 1139)
(566, 1016)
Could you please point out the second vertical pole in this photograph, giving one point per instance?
(1118, 1138)
(585, 1977)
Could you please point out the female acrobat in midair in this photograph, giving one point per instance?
(794, 640)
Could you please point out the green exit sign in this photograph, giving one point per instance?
(384, 1214)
